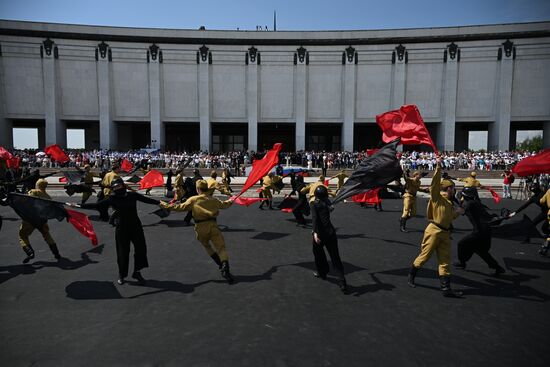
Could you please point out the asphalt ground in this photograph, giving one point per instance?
(72, 313)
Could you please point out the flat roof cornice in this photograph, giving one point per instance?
(297, 38)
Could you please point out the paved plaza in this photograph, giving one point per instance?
(276, 314)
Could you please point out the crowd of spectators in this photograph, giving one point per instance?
(102, 159)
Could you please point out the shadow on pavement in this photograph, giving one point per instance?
(507, 286)
(11, 271)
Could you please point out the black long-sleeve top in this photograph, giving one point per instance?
(320, 215)
(478, 216)
(124, 205)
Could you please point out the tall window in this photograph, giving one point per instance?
(227, 143)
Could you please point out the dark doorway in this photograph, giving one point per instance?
(464, 140)
(366, 136)
(269, 134)
(182, 136)
(228, 137)
(521, 130)
(133, 135)
(323, 137)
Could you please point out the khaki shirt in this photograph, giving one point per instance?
(203, 207)
(107, 180)
(470, 182)
(310, 190)
(545, 200)
(39, 194)
(440, 209)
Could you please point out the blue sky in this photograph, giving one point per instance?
(291, 15)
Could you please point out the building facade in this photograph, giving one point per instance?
(224, 90)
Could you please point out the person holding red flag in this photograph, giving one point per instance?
(205, 210)
(27, 228)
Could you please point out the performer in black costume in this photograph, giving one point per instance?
(302, 207)
(324, 235)
(537, 194)
(191, 190)
(128, 228)
(479, 240)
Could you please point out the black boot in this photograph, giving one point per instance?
(412, 276)
(499, 270)
(55, 251)
(445, 282)
(271, 205)
(459, 265)
(343, 285)
(30, 254)
(217, 260)
(403, 225)
(225, 272)
(544, 248)
(137, 276)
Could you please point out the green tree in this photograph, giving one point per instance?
(533, 144)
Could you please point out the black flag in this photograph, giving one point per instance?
(377, 170)
(73, 177)
(163, 213)
(517, 230)
(35, 210)
(134, 179)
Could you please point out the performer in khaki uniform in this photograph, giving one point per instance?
(109, 178)
(437, 236)
(179, 186)
(88, 181)
(226, 180)
(412, 185)
(545, 200)
(310, 189)
(267, 186)
(26, 228)
(205, 209)
(213, 185)
(341, 178)
(471, 181)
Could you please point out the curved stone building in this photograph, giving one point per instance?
(224, 90)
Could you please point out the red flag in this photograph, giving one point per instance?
(126, 165)
(371, 151)
(261, 167)
(82, 224)
(56, 153)
(496, 196)
(369, 197)
(539, 163)
(407, 124)
(245, 201)
(153, 178)
(63, 179)
(5, 154)
(13, 162)
(287, 210)
(326, 182)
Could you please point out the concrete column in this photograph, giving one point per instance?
(398, 86)
(157, 126)
(55, 128)
(107, 128)
(300, 102)
(499, 131)
(204, 100)
(252, 100)
(349, 100)
(6, 128)
(546, 134)
(446, 131)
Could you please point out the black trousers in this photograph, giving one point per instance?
(123, 237)
(331, 243)
(476, 243)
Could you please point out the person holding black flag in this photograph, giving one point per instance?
(479, 240)
(128, 228)
(324, 235)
